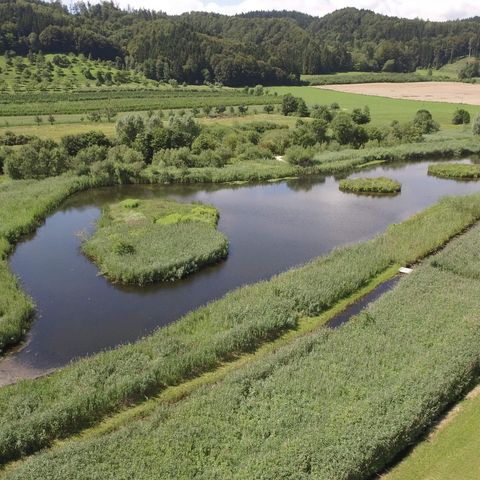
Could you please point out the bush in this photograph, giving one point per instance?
(361, 117)
(74, 143)
(461, 117)
(300, 156)
(424, 122)
(124, 154)
(476, 125)
(128, 127)
(39, 159)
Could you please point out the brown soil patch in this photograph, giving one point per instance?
(451, 92)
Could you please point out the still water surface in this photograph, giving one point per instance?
(271, 227)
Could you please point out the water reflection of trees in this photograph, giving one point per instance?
(304, 184)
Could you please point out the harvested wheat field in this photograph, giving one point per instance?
(452, 92)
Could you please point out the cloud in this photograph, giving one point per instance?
(427, 9)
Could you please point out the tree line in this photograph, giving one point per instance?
(258, 47)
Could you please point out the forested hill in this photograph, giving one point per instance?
(258, 47)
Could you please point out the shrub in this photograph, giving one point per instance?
(476, 125)
(74, 143)
(124, 154)
(39, 159)
(361, 117)
(461, 117)
(300, 156)
(424, 122)
(128, 127)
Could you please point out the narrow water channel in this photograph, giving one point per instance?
(271, 227)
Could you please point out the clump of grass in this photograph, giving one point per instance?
(460, 171)
(155, 240)
(130, 203)
(379, 185)
(33, 413)
(123, 248)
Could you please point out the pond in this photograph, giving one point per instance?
(271, 227)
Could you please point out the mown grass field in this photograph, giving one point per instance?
(449, 452)
(144, 241)
(334, 404)
(384, 110)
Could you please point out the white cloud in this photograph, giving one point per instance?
(427, 9)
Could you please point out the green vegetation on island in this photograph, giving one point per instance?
(459, 171)
(379, 185)
(145, 241)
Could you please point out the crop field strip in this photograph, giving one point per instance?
(333, 404)
(82, 103)
(36, 412)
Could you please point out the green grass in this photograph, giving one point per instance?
(56, 103)
(451, 452)
(155, 240)
(460, 171)
(373, 77)
(33, 413)
(379, 185)
(335, 404)
(383, 110)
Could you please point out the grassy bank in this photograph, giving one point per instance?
(460, 171)
(380, 185)
(33, 413)
(155, 240)
(335, 404)
(450, 452)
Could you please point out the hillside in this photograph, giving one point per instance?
(65, 72)
(258, 47)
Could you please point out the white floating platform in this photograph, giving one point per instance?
(405, 270)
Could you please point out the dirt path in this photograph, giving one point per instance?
(451, 92)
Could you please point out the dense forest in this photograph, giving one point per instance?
(258, 47)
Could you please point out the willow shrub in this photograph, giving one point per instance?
(33, 413)
(336, 404)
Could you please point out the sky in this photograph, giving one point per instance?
(426, 9)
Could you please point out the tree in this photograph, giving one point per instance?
(302, 109)
(289, 104)
(361, 117)
(424, 122)
(343, 128)
(242, 109)
(38, 120)
(268, 108)
(128, 127)
(51, 119)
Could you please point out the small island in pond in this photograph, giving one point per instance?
(456, 171)
(376, 186)
(154, 240)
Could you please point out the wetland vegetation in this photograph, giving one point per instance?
(379, 185)
(144, 241)
(96, 96)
